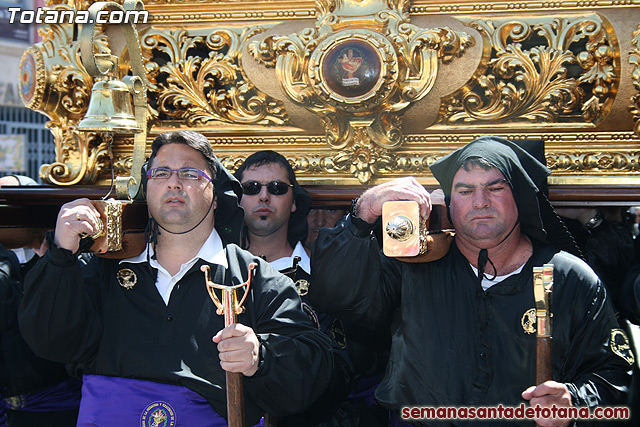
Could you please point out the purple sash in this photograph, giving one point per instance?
(63, 396)
(115, 401)
(365, 389)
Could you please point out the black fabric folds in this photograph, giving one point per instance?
(523, 172)
(527, 178)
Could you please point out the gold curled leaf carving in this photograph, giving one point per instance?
(634, 59)
(312, 158)
(80, 155)
(363, 159)
(63, 95)
(75, 4)
(197, 78)
(562, 71)
(364, 63)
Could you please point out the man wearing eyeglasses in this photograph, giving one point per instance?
(143, 331)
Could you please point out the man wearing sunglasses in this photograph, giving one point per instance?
(143, 331)
(275, 209)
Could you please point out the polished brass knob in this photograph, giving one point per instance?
(400, 228)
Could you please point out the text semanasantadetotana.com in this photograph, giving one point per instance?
(61, 16)
(514, 412)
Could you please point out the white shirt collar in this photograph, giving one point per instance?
(487, 283)
(287, 262)
(211, 251)
(24, 254)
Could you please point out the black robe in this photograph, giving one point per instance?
(21, 371)
(106, 329)
(453, 343)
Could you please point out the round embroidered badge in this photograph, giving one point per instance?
(158, 414)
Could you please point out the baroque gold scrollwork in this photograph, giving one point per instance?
(80, 155)
(196, 77)
(363, 159)
(634, 59)
(595, 162)
(53, 81)
(562, 71)
(359, 69)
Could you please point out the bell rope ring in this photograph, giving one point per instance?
(412, 238)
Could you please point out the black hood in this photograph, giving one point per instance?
(229, 215)
(298, 227)
(525, 174)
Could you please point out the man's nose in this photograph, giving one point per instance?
(321, 219)
(174, 181)
(481, 199)
(263, 194)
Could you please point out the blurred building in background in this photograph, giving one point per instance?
(25, 143)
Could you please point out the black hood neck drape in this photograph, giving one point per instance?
(526, 176)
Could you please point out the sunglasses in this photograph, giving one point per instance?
(183, 173)
(277, 188)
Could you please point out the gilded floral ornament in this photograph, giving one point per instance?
(359, 69)
(58, 85)
(363, 159)
(528, 81)
(81, 156)
(201, 82)
(634, 59)
(594, 162)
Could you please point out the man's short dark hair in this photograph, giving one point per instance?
(477, 162)
(266, 157)
(195, 140)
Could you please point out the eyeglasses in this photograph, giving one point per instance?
(183, 173)
(277, 188)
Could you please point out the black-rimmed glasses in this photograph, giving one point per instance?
(277, 188)
(183, 173)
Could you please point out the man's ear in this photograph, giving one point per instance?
(293, 207)
(215, 202)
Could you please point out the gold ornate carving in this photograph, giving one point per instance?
(195, 77)
(359, 69)
(363, 159)
(634, 59)
(113, 213)
(548, 71)
(531, 75)
(594, 162)
(312, 158)
(54, 82)
(81, 156)
(32, 78)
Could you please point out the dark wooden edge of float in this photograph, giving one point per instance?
(39, 206)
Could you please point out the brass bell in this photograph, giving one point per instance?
(110, 107)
